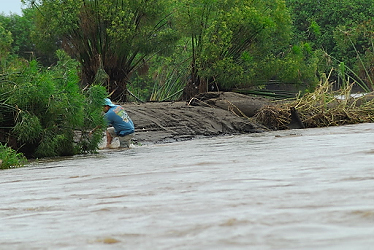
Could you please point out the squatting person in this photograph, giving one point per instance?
(120, 124)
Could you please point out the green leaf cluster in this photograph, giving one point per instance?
(21, 29)
(9, 158)
(5, 42)
(46, 111)
(342, 29)
(114, 36)
(230, 38)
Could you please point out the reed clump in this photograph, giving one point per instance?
(321, 108)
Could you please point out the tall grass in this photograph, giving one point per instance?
(168, 86)
(364, 80)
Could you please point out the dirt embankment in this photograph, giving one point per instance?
(207, 115)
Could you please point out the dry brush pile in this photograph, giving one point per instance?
(321, 108)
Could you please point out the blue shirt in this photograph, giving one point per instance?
(120, 120)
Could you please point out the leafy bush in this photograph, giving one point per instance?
(297, 65)
(342, 29)
(10, 158)
(47, 111)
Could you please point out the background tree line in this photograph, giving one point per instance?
(60, 56)
(157, 48)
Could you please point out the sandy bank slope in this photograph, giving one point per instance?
(175, 121)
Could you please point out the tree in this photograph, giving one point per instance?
(332, 26)
(20, 27)
(5, 42)
(105, 36)
(229, 38)
(316, 22)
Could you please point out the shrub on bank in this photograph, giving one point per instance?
(10, 158)
(45, 113)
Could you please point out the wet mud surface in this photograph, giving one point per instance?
(179, 121)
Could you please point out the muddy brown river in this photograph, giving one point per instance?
(296, 189)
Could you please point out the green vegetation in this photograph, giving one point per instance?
(226, 44)
(343, 30)
(230, 40)
(45, 111)
(115, 36)
(9, 158)
(21, 28)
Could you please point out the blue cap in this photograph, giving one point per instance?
(108, 102)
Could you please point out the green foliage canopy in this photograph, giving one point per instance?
(45, 110)
(229, 38)
(21, 28)
(316, 21)
(115, 36)
(5, 42)
(342, 30)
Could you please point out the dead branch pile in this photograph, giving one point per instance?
(321, 108)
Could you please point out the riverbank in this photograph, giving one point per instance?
(212, 114)
(207, 115)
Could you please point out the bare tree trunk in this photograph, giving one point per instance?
(118, 91)
(203, 86)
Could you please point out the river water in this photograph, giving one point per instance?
(295, 189)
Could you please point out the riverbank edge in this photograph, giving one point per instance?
(208, 116)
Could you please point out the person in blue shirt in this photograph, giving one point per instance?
(119, 124)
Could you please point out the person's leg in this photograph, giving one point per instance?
(110, 133)
(125, 141)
